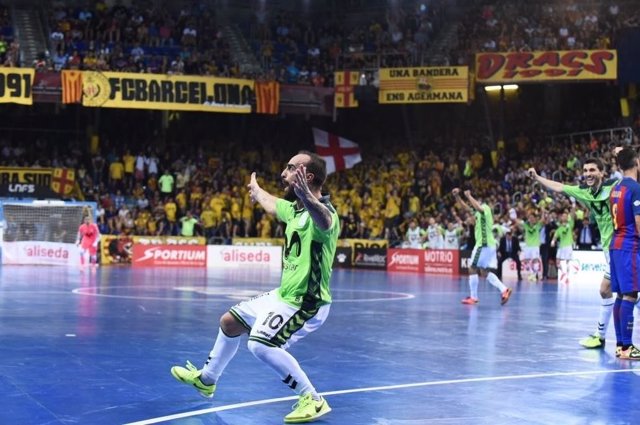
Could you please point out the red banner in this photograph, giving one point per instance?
(405, 260)
(441, 261)
(169, 255)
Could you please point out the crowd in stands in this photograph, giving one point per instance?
(534, 26)
(292, 49)
(150, 192)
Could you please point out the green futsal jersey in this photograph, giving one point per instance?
(597, 200)
(532, 234)
(484, 227)
(564, 233)
(308, 256)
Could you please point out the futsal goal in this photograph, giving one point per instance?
(41, 232)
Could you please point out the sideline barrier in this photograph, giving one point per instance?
(236, 256)
(40, 253)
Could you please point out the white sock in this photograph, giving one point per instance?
(493, 279)
(473, 286)
(221, 354)
(286, 366)
(606, 309)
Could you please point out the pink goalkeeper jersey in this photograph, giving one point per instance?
(88, 234)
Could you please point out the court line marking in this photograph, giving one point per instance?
(370, 389)
(396, 296)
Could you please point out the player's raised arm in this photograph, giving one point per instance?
(261, 196)
(549, 184)
(473, 201)
(456, 195)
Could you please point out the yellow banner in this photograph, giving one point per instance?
(60, 180)
(440, 84)
(363, 243)
(258, 241)
(16, 85)
(166, 92)
(516, 67)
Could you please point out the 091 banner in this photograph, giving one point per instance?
(16, 85)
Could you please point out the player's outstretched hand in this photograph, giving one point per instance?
(531, 172)
(254, 188)
(300, 185)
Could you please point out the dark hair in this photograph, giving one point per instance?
(316, 166)
(596, 161)
(627, 158)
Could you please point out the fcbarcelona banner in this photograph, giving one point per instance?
(441, 84)
(16, 85)
(520, 67)
(165, 92)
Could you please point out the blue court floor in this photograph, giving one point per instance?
(95, 347)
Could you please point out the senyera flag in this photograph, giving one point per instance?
(338, 152)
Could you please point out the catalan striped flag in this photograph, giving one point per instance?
(71, 86)
(345, 82)
(267, 97)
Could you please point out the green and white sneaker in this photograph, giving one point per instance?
(592, 341)
(191, 376)
(307, 410)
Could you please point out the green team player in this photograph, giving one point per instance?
(277, 319)
(595, 195)
(531, 250)
(483, 256)
(563, 238)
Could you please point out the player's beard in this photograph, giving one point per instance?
(290, 194)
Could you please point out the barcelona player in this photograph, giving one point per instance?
(625, 251)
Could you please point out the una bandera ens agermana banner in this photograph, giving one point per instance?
(166, 92)
(439, 84)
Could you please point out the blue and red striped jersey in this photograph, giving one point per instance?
(625, 206)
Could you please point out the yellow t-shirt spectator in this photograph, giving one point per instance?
(116, 170)
(170, 209)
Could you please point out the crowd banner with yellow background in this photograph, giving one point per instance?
(518, 67)
(38, 182)
(16, 85)
(258, 241)
(440, 84)
(162, 92)
(117, 249)
(345, 83)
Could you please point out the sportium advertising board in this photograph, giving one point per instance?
(521, 67)
(169, 255)
(429, 261)
(166, 92)
(440, 84)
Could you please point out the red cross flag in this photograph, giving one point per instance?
(339, 153)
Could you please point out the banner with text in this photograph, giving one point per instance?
(36, 182)
(441, 84)
(169, 255)
(430, 261)
(16, 85)
(236, 256)
(119, 249)
(166, 92)
(258, 241)
(519, 67)
(41, 253)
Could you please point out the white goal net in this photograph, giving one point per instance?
(41, 232)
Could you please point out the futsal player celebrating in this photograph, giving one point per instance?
(279, 318)
(483, 256)
(594, 194)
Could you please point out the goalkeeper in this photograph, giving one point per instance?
(88, 238)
